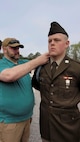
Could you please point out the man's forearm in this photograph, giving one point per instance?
(14, 73)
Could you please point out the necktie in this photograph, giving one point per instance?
(53, 68)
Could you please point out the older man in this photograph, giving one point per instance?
(16, 94)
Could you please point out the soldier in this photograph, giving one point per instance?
(60, 92)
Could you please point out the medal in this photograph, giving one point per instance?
(67, 81)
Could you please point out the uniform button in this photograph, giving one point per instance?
(73, 118)
(52, 85)
(51, 102)
(51, 93)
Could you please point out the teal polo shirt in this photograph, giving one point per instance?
(16, 98)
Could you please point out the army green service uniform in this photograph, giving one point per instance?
(60, 96)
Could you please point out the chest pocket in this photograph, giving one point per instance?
(67, 87)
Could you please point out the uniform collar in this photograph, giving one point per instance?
(57, 61)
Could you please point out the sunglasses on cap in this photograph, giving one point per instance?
(13, 41)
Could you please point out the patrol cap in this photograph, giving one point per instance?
(56, 28)
(12, 42)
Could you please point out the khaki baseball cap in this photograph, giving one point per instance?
(12, 42)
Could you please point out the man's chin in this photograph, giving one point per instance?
(15, 58)
(52, 54)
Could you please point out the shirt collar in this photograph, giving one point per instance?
(57, 61)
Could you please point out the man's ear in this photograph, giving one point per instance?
(4, 50)
(67, 43)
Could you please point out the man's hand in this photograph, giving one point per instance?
(42, 59)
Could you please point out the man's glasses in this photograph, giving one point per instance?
(16, 48)
(14, 41)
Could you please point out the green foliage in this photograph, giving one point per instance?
(1, 55)
(74, 51)
(32, 56)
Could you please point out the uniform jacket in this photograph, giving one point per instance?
(60, 95)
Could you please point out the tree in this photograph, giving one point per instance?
(1, 55)
(32, 56)
(74, 51)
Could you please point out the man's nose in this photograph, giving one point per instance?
(52, 42)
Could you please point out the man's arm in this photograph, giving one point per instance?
(14, 73)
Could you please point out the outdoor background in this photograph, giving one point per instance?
(29, 21)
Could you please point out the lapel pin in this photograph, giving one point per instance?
(66, 61)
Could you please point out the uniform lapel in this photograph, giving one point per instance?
(63, 66)
(48, 69)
